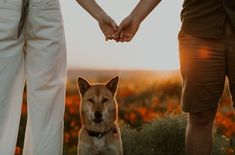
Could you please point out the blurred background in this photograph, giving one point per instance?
(149, 92)
(154, 47)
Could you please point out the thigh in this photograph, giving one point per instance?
(45, 60)
(46, 53)
(10, 45)
(203, 70)
(10, 13)
(11, 48)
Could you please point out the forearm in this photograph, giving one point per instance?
(143, 8)
(92, 8)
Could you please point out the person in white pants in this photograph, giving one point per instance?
(42, 66)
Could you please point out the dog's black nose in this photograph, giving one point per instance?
(98, 115)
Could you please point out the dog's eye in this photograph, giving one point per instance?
(91, 100)
(104, 100)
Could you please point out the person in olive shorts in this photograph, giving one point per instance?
(207, 57)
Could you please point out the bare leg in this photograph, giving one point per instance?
(199, 136)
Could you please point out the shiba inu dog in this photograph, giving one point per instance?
(100, 134)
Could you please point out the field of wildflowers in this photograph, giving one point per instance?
(149, 116)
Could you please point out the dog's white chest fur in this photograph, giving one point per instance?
(99, 142)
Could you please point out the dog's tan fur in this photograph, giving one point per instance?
(99, 97)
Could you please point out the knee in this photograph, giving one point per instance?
(202, 119)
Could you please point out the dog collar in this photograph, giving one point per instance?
(100, 134)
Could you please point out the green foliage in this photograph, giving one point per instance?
(164, 136)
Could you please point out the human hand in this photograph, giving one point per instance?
(108, 27)
(127, 29)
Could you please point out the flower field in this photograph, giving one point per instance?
(143, 101)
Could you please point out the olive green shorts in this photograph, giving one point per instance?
(204, 65)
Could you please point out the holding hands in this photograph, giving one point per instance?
(108, 27)
(122, 33)
(128, 27)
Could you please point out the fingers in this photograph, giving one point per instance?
(109, 21)
(120, 34)
(115, 28)
(106, 38)
(123, 37)
(116, 37)
(124, 33)
(109, 37)
(126, 38)
(114, 25)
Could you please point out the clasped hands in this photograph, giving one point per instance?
(122, 33)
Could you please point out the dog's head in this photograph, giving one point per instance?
(98, 105)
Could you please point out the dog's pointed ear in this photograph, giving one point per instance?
(112, 85)
(83, 85)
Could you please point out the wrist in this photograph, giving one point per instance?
(100, 16)
(135, 18)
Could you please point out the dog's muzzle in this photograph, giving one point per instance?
(98, 117)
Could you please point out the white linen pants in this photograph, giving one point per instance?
(42, 66)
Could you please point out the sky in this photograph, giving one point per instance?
(154, 47)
